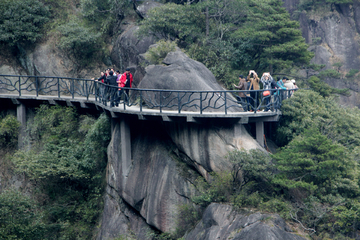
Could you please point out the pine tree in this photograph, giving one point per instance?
(273, 40)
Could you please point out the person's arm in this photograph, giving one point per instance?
(281, 86)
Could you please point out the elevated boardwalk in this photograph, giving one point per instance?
(144, 104)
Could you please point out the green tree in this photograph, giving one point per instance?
(312, 161)
(9, 131)
(19, 217)
(79, 41)
(21, 21)
(104, 13)
(276, 40)
(67, 161)
(308, 109)
(172, 21)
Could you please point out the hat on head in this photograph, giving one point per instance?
(127, 69)
(241, 76)
(292, 80)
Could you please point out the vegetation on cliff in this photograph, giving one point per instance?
(65, 165)
(232, 36)
(313, 179)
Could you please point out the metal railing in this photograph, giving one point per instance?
(225, 101)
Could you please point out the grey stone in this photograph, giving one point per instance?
(220, 221)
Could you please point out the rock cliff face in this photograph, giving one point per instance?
(332, 31)
(166, 158)
(222, 222)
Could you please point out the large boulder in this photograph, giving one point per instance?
(179, 72)
(220, 221)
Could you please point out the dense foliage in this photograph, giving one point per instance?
(21, 21)
(19, 217)
(230, 36)
(66, 162)
(9, 131)
(313, 179)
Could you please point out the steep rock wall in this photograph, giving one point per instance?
(332, 31)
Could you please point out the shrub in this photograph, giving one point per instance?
(67, 161)
(156, 54)
(320, 86)
(187, 218)
(278, 206)
(329, 73)
(352, 73)
(219, 189)
(9, 131)
(21, 21)
(79, 41)
(19, 218)
(246, 200)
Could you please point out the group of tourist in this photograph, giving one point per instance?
(269, 96)
(114, 78)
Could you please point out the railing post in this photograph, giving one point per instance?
(200, 102)
(140, 101)
(96, 90)
(160, 102)
(225, 103)
(37, 86)
(58, 87)
(179, 103)
(19, 86)
(72, 88)
(87, 92)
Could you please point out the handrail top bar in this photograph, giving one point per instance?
(154, 90)
(37, 76)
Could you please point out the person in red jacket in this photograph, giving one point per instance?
(125, 81)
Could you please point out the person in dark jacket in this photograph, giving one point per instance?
(112, 90)
(242, 98)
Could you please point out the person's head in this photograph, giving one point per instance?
(111, 73)
(102, 73)
(127, 70)
(117, 72)
(293, 81)
(284, 79)
(241, 76)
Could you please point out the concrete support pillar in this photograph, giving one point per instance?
(21, 117)
(238, 130)
(125, 140)
(260, 133)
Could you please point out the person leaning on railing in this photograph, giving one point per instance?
(242, 97)
(111, 81)
(101, 87)
(254, 85)
(125, 80)
(266, 80)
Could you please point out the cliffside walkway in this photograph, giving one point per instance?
(145, 104)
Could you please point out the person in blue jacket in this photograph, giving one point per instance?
(280, 86)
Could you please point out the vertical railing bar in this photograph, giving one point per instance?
(225, 104)
(160, 102)
(58, 86)
(72, 88)
(87, 92)
(140, 101)
(179, 103)
(19, 85)
(201, 103)
(37, 86)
